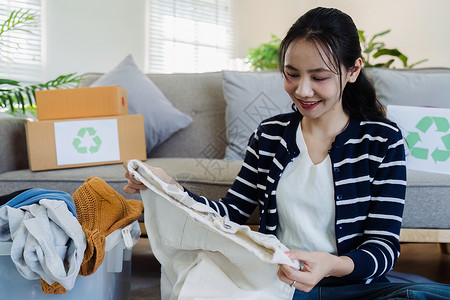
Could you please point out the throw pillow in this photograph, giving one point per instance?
(411, 87)
(251, 97)
(161, 119)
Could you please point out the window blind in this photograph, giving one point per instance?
(20, 50)
(189, 35)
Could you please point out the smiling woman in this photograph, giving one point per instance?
(329, 178)
(316, 91)
(311, 83)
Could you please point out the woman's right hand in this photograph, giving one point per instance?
(134, 186)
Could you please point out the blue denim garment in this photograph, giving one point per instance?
(378, 291)
(32, 196)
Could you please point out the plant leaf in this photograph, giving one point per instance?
(391, 52)
(3, 100)
(30, 97)
(17, 95)
(379, 34)
(386, 64)
(9, 81)
(265, 56)
(17, 20)
(362, 38)
(11, 102)
(20, 100)
(416, 63)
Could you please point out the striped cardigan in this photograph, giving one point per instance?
(369, 173)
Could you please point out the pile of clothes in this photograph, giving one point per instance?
(56, 236)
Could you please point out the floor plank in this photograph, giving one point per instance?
(426, 260)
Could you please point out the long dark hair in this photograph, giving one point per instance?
(337, 36)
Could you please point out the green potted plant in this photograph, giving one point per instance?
(373, 49)
(17, 98)
(265, 56)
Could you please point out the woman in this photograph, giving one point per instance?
(329, 178)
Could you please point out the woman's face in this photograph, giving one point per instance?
(312, 85)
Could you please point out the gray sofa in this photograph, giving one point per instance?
(194, 155)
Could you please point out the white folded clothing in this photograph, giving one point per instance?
(204, 255)
(47, 241)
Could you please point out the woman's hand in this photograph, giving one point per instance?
(134, 186)
(316, 266)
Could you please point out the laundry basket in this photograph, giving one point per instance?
(112, 280)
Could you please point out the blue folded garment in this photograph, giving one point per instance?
(32, 196)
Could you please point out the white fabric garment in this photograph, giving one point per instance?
(206, 256)
(47, 241)
(305, 202)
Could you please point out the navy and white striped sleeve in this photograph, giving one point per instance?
(380, 248)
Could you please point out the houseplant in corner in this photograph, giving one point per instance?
(17, 98)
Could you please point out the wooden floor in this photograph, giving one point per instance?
(426, 260)
(421, 259)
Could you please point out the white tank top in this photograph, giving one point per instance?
(305, 203)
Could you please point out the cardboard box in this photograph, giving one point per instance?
(59, 144)
(81, 103)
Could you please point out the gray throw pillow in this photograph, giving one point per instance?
(412, 87)
(250, 97)
(161, 119)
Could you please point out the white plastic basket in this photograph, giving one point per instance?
(112, 280)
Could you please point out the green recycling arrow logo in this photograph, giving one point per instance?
(77, 142)
(413, 139)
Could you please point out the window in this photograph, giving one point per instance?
(20, 50)
(189, 35)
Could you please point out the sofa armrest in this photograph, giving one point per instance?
(13, 146)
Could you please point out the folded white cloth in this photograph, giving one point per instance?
(204, 255)
(47, 241)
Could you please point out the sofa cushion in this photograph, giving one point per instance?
(427, 200)
(426, 193)
(200, 96)
(412, 87)
(13, 146)
(161, 119)
(251, 97)
(208, 177)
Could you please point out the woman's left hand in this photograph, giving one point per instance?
(316, 266)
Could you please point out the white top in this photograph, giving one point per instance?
(305, 202)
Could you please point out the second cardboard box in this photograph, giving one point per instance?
(81, 102)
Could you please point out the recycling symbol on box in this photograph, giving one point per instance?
(86, 133)
(420, 151)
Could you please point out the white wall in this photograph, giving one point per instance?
(94, 35)
(257, 20)
(419, 28)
